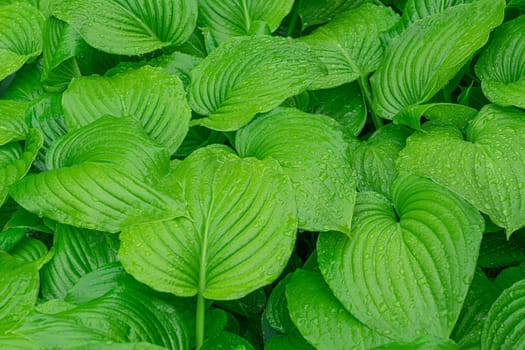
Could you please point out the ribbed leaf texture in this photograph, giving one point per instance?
(12, 121)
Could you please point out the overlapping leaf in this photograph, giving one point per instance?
(12, 121)
(151, 95)
(130, 27)
(486, 168)
(408, 276)
(430, 53)
(249, 75)
(501, 65)
(238, 237)
(314, 12)
(312, 151)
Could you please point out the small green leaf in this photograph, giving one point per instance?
(226, 341)
(451, 113)
(312, 151)
(29, 250)
(276, 312)
(430, 52)
(486, 168)
(149, 94)
(501, 65)
(249, 75)
(497, 251)
(238, 236)
(314, 12)
(132, 27)
(408, 276)
(505, 322)
(12, 122)
(20, 36)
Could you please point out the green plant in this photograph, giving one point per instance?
(224, 174)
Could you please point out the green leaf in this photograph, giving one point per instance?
(314, 12)
(451, 113)
(237, 238)
(20, 36)
(497, 251)
(77, 252)
(276, 312)
(486, 168)
(24, 85)
(249, 75)
(312, 151)
(374, 159)
(116, 346)
(421, 343)
(130, 28)
(151, 95)
(18, 289)
(430, 52)
(501, 65)
(349, 45)
(10, 238)
(17, 342)
(29, 250)
(230, 18)
(250, 305)
(408, 276)
(321, 318)
(292, 341)
(198, 137)
(103, 176)
(505, 322)
(226, 341)
(12, 123)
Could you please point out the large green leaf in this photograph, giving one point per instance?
(408, 276)
(321, 318)
(501, 65)
(430, 53)
(130, 27)
(20, 36)
(249, 75)
(150, 94)
(486, 168)
(77, 252)
(226, 19)
(504, 328)
(103, 176)
(238, 236)
(349, 45)
(314, 12)
(312, 151)
(12, 121)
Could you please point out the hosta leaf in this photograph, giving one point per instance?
(24, 85)
(349, 45)
(77, 252)
(276, 312)
(249, 75)
(312, 151)
(151, 95)
(249, 305)
(421, 343)
(17, 342)
(20, 36)
(486, 168)
(408, 276)
(226, 19)
(374, 159)
(501, 65)
(12, 121)
(430, 53)
(292, 341)
(505, 322)
(29, 250)
(497, 251)
(321, 318)
(450, 113)
(238, 237)
(314, 12)
(117, 346)
(130, 27)
(18, 289)
(227, 341)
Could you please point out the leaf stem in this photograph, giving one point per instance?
(365, 88)
(199, 324)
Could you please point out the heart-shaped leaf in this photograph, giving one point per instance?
(238, 236)
(501, 65)
(430, 53)
(249, 75)
(312, 151)
(131, 27)
(149, 94)
(408, 276)
(20, 36)
(486, 168)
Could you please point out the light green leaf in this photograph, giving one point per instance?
(249, 75)
(17, 342)
(9, 238)
(116, 346)
(501, 65)
(312, 151)
(103, 176)
(349, 45)
(230, 18)
(321, 318)
(12, 122)
(421, 343)
(151, 95)
(29, 250)
(486, 167)
(77, 252)
(408, 276)
(24, 85)
(20, 36)
(238, 236)
(505, 322)
(451, 113)
(132, 27)
(430, 52)
(314, 12)
(374, 159)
